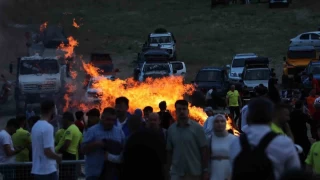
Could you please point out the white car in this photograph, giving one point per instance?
(94, 94)
(164, 41)
(161, 69)
(237, 65)
(307, 39)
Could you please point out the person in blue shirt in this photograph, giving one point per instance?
(122, 107)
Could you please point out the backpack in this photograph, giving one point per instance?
(252, 162)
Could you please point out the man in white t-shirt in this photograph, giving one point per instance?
(44, 158)
(7, 151)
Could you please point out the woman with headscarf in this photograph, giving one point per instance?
(219, 141)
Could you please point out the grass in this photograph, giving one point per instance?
(205, 36)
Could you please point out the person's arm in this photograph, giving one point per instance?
(309, 159)
(89, 145)
(202, 140)
(240, 101)
(67, 141)
(116, 158)
(288, 131)
(9, 152)
(47, 145)
(169, 148)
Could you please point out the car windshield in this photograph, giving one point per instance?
(301, 54)
(314, 69)
(106, 67)
(257, 74)
(212, 75)
(44, 66)
(238, 62)
(156, 67)
(160, 39)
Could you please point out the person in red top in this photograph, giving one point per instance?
(310, 101)
(79, 120)
(315, 83)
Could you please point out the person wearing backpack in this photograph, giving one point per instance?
(260, 153)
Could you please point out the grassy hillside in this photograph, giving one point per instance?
(205, 36)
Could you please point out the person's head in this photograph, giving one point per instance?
(138, 112)
(163, 105)
(93, 113)
(153, 121)
(232, 87)
(79, 115)
(298, 105)
(182, 110)
(122, 106)
(209, 111)
(134, 123)
(219, 123)
(273, 75)
(21, 119)
(48, 109)
(282, 113)
(313, 93)
(67, 119)
(146, 111)
(260, 111)
(108, 118)
(12, 126)
(33, 120)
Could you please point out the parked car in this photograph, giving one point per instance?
(297, 59)
(237, 66)
(256, 72)
(307, 39)
(164, 40)
(209, 77)
(314, 68)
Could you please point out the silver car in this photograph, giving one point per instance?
(237, 66)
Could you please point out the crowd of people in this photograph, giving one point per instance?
(116, 144)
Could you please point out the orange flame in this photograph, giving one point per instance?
(148, 93)
(74, 24)
(43, 26)
(69, 49)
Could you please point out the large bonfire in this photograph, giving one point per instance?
(140, 94)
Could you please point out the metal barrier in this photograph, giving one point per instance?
(68, 170)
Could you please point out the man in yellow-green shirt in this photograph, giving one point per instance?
(313, 159)
(22, 138)
(233, 101)
(280, 120)
(68, 145)
(59, 134)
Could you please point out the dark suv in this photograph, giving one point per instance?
(209, 77)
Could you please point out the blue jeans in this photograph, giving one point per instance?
(52, 176)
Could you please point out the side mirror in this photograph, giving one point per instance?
(284, 59)
(117, 70)
(174, 71)
(228, 66)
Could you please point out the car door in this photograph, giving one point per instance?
(180, 67)
(304, 39)
(315, 39)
